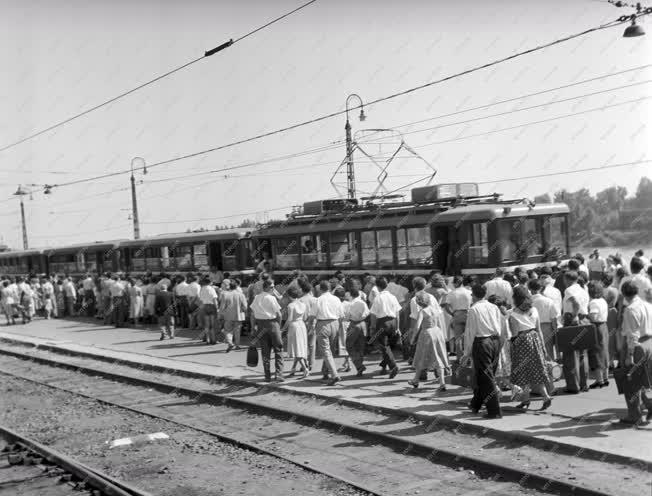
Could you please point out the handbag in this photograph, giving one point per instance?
(252, 356)
(578, 337)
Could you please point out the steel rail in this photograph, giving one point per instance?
(220, 436)
(440, 456)
(543, 444)
(103, 482)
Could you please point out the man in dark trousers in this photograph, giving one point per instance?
(482, 343)
(164, 306)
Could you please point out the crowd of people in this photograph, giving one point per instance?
(503, 330)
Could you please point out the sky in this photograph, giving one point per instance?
(62, 57)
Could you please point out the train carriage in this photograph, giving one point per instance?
(451, 234)
(23, 262)
(78, 259)
(208, 251)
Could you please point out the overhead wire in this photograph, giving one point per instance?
(338, 113)
(208, 53)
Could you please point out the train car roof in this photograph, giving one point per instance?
(21, 253)
(493, 212)
(162, 239)
(102, 245)
(415, 215)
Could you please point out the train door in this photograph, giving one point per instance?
(215, 255)
(440, 248)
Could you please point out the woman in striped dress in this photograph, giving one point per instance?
(529, 369)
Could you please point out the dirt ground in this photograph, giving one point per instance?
(189, 463)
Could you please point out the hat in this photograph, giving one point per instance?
(226, 282)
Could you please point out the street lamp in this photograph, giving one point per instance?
(136, 163)
(350, 172)
(21, 192)
(633, 30)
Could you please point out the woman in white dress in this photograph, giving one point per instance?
(135, 301)
(430, 340)
(297, 331)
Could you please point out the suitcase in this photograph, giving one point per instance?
(579, 337)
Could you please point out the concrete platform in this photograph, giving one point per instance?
(586, 422)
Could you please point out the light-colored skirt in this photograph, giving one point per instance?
(150, 300)
(297, 339)
(136, 307)
(341, 339)
(430, 351)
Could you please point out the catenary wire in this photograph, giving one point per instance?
(335, 114)
(152, 81)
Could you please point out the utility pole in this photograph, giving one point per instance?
(21, 192)
(350, 169)
(139, 163)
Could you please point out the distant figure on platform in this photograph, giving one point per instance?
(384, 325)
(164, 309)
(482, 343)
(356, 336)
(266, 323)
(637, 331)
(328, 314)
(597, 266)
(297, 332)
(430, 340)
(233, 309)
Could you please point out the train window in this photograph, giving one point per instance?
(385, 248)
(248, 253)
(558, 233)
(413, 246)
(368, 242)
(286, 253)
(229, 261)
(532, 237)
(183, 257)
(313, 251)
(478, 252)
(509, 239)
(200, 256)
(344, 249)
(138, 259)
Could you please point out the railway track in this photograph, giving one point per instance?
(29, 468)
(371, 461)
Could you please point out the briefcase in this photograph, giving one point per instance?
(620, 376)
(463, 376)
(252, 356)
(579, 337)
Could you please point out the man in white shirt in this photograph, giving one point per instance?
(384, 325)
(233, 309)
(208, 301)
(548, 315)
(457, 305)
(575, 306)
(329, 313)
(550, 291)
(640, 279)
(596, 265)
(118, 294)
(356, 313)
(499, 287)
(69, 297)
(482, 343)
(400, 292)
(88, 285)
(637, 331)
(181, 294)
(266, 323)
(370, 289)
(195, 317)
